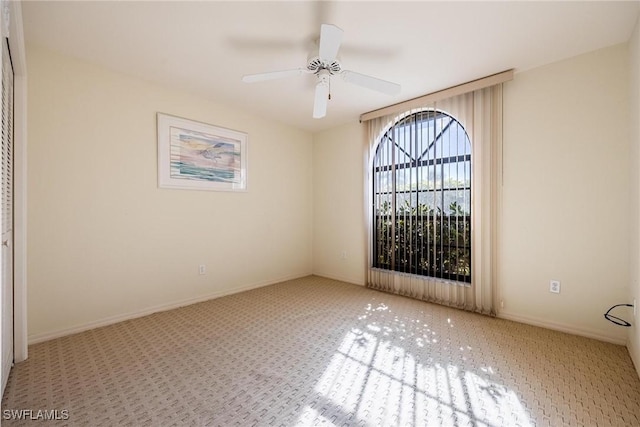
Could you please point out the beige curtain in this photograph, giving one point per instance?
(480, 112)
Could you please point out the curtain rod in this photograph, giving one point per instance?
(481, 83)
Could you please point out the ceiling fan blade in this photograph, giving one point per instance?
(252, 78)
(371, 82)
(330, 39)
(320, 100)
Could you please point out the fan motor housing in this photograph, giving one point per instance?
(316, 64)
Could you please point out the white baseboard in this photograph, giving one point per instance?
(597, 335)
(46, 336)
(339, 278)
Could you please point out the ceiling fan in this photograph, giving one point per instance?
(324, 64)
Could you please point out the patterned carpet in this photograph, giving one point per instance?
(315, 351)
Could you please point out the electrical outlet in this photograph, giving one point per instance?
(502, 304)
(343, 255)
(554, 286)
(202, 269)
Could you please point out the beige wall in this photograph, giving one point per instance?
(339, 250)
(634, 73)
(565, 201)
(566, 187)
(105, 242)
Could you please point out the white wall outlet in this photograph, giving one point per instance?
(554, 286)
(343, 255)
(202, 269)
(502, 304)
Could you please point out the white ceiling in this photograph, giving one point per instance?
(205, 47)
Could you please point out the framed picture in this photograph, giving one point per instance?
(198, 156)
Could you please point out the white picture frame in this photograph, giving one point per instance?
(199, 156)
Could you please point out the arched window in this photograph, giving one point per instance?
(422, 197)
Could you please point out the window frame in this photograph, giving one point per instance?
(436, 262)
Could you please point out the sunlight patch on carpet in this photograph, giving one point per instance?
(375, 380)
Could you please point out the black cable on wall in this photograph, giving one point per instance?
(614, 319)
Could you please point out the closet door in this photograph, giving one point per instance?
(6, 214)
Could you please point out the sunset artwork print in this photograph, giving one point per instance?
(197, 156)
